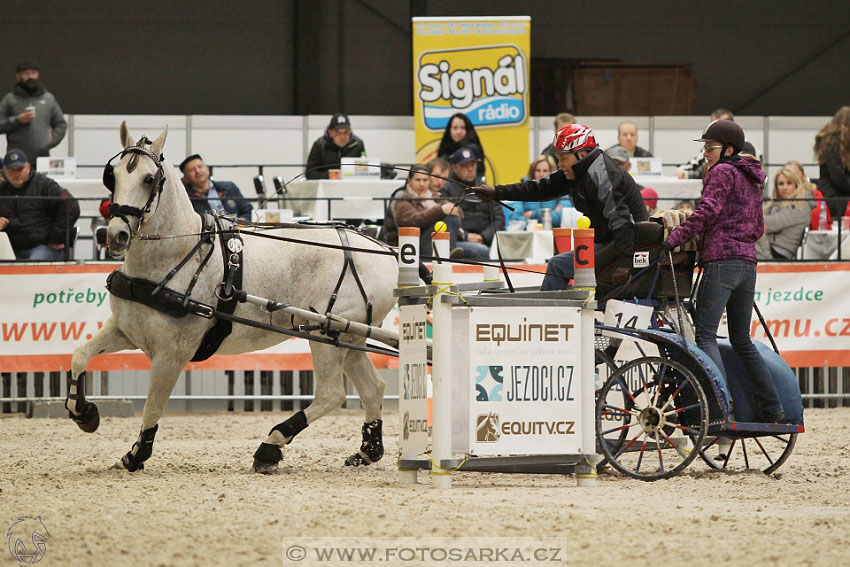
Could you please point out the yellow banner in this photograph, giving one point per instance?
(477, 66)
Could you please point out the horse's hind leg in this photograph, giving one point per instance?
(330, 394)
(360, 370)
(165, 369)
(109, 339)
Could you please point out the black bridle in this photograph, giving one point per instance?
(157, 181)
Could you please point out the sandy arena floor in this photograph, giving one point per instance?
(197, 504)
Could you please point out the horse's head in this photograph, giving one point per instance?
(136, 181)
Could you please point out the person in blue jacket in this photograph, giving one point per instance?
(525, 211)
(208, 195)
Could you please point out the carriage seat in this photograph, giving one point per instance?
(657, 281)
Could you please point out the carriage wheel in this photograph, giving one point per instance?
(650, 414)
(605, 366)
(766, 453)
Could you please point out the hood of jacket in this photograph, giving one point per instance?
(748, 166)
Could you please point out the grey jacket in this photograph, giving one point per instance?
(784, 228)
(45, 131)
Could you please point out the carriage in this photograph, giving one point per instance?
(670, 403)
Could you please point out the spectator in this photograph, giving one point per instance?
(620, 155)
(785, 220)
(650, 200)
(563, 119)
(627, 137)
(480, 220)
(600, 189)
(730, 220)
(684, 203)
(30, 116)
(208, 195)
(695, 169)
(38, 229)
(337, 143)
(528, 210)
(416, 204)
(812, 191)
(460, 133)
(832, 149)
(439, 171)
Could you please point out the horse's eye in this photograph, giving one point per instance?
(149, 180)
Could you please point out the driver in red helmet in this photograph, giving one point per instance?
(599, 189)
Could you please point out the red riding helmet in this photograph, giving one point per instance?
(574, 138)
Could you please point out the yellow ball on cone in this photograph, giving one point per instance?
(440, 226)
(583, 222)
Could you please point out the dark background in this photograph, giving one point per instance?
(296, 57)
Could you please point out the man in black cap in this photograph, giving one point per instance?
(477, 227)
(30, 116)
(38, 229)
(337, 143)
(208, 195)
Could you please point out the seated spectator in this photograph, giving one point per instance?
(627, 137)
(684, 203)
(208, 195)
(561, 120)
(416, 204)
(621, 156)
(460, 133)
(650, 200)
(784, 220)
(38, 229)
(480, 220)
(337, 143)
(438, 170)
(532, 210)
(695, 168)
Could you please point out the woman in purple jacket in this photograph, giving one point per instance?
(730, 220)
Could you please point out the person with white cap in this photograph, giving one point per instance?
(599, 189)
(337, 142)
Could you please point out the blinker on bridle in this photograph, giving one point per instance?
(123, 211)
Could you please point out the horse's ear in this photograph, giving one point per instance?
(159, 143)
(126, 138)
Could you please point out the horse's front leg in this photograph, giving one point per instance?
(330, 394)
(164, 373)
(360, 370)
(108, 339)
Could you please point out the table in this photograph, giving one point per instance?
(6, 252)
(533, 246)
(361, 198)
(823, 244)
(669, 187)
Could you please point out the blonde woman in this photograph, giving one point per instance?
(785, 219)
(524, 211)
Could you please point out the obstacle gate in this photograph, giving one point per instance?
(513, 374)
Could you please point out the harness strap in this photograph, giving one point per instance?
(207, 234)
(166, 301)
(347, 264)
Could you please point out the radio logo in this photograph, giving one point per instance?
(488, 84)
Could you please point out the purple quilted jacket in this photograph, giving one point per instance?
(729, 217)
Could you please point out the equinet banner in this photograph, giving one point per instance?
(477, 66)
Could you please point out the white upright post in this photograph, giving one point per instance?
(441, 441)
(586, 472)
(408, 276)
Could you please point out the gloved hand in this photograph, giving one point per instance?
(666, 247)
(485, 192)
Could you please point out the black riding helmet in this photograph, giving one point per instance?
(727, 133)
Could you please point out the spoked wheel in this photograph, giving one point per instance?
(650, 415)
(765, 453)
(605, 367)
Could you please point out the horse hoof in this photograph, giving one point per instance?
(131, 464)
(357, 460)
(266, 458)
(89, 420)
(372, 448)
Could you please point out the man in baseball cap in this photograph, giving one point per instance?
(337, 143)
(208, 195)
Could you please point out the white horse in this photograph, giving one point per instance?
(149, 200)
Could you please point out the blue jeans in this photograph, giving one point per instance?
(42, 252)
(560, 270)
(731, 284)
(471, 250)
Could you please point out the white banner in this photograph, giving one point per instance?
(413, 381)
